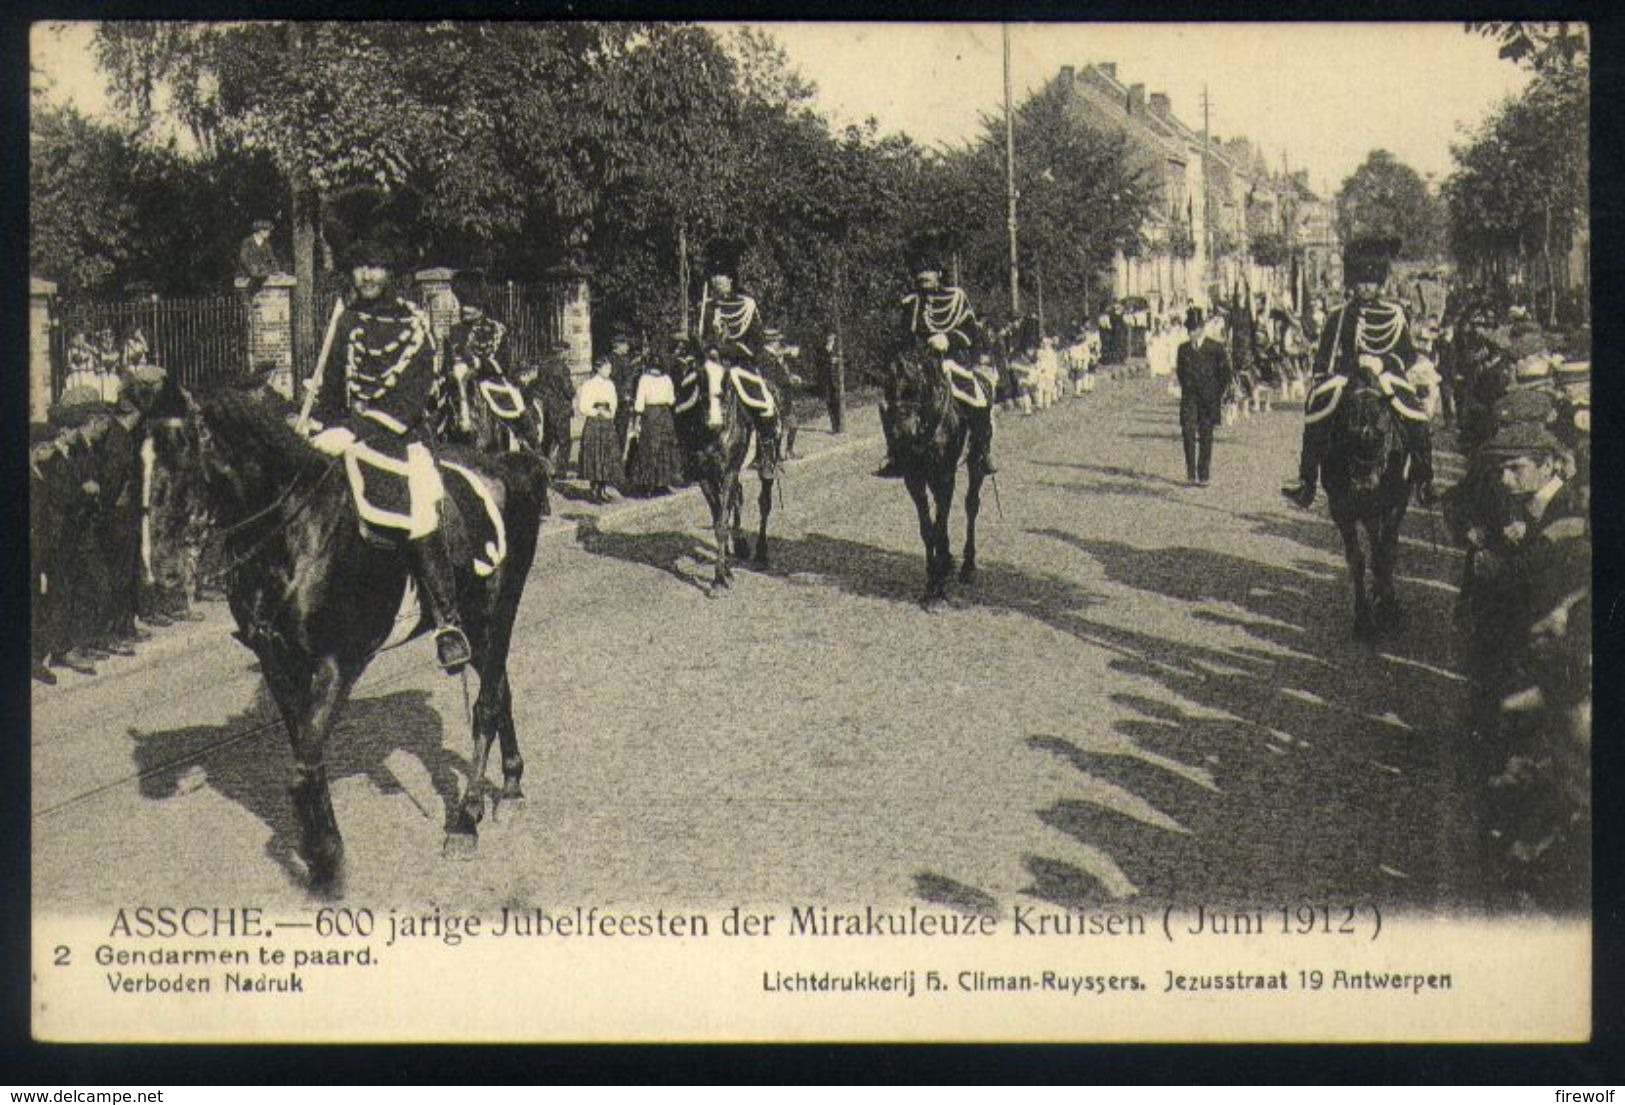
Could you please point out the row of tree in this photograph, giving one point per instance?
(1519, 193)
(621, 149)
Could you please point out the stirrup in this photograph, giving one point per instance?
(452, 649)
(1300, 494)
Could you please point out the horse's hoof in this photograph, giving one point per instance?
(718, 590)
(934, 604)
(967, 572)
(761, 560)
(326, 868)
(742, 549)
(509, 810)
(1365, 630)
(460, 846)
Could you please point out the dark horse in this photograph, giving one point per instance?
(1366, 487)
(468, 415)
(714, 458)
(315, 600)
(929, 436)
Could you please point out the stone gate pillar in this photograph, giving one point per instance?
(40, 293)
(270, 330)
(576, 330)
(436, 296)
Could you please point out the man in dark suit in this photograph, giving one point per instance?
(1203, 368)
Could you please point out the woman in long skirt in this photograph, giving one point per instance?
(658, 463)
(600, 447)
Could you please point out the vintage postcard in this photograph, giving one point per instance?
(784, 532)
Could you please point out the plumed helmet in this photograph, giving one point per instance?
(382, 246)
(1366, 260)
(469, 288)
(723, 257)
(925, 254)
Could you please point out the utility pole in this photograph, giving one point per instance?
(1038, 274)
(682, 272)
(1010, 178)
(1207, 210)
(836, 398)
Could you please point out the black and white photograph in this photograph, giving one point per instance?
(781, 531)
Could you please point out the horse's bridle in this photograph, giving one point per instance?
(205, 443)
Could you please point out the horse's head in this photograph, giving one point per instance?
(916, 393)
(1365, 433)
(462, 406)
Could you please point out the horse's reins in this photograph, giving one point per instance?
(227, 532)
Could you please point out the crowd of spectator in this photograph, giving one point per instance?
(115, 547)
(1518, 398)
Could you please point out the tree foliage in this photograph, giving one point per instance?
(1546, 47)
(611, 148)
(1081, 195)
(1270, 249)
(108, 212)
(1386, 198)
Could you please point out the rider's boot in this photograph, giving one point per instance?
(768, 432)
(981, 443)
(1302, 493)
(437, 584)
(889, 470)
(1419, 444)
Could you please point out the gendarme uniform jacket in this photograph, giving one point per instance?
(946, 311)
(1355, 330)
(377, 382)
(734, 325)
(1377, 329)
(380, 372)
(482, 345)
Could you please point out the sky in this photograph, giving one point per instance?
(1325, 95)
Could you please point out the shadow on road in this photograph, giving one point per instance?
(677, 554)
(1114, 472)
(254, 770)
(1303, 766)
(1326, 757)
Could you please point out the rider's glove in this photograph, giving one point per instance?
(333, 441)
(939, 342)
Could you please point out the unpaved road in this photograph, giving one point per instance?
(1150, 692)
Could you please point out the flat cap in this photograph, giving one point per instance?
(1524, 407)
(1522, 439)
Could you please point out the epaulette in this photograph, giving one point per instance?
(1402, 397)
(1323, 399)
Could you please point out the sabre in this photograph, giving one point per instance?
(998, 503)
(314, 384)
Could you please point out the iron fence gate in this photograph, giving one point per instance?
(532, 311)
(197, 341)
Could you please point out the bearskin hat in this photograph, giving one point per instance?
(381, 246)
(469, 288)
(925, 254)
(723, 257)
(1366, 260)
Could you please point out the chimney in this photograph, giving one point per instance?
(1161, 104)
(1109, 68)
(1136, 99)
